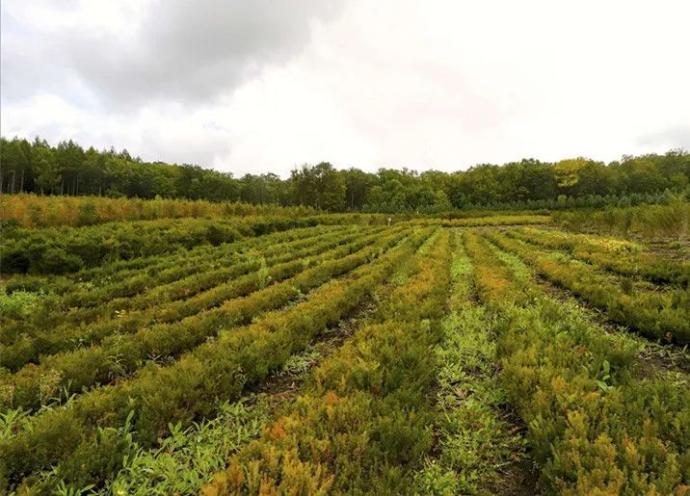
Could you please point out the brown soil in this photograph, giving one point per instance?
(521, 476)
(282, 386)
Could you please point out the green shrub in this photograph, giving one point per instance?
(596, 425)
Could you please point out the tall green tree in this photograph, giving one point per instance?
(69, 169)
(48, 178)
(319, 186)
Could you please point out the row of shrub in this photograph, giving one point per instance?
(83, 302)
(597, 423)
(615, 255)
(210, 276)
(125, 284)
(654, 314)
(36, 211)
(85, 437)
(131, 276)
(87, 302)
(491, 220)
(126, 276)
(120, 270)
(31, 303)
(478, 443)
(32, 210)
(59, 250)
(119, 355)
(68, 336)
(364, 423)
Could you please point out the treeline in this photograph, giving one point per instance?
(69, 169)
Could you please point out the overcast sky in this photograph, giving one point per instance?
(264, 85)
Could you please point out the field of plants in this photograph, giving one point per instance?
(292, 352)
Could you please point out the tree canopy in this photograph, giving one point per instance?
(69, 169)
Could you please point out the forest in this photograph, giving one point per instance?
(69, 169)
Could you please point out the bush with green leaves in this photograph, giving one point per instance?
(190, 388)
(618, 256)
(663, 315)
(597, 423)
(56, 332)
(120, 355)
(363, 425)
(60, 250)
(650, 221)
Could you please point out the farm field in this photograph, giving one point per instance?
(287, 351)
(351, 248)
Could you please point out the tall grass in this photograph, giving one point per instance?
(649, 221)
(31, 210)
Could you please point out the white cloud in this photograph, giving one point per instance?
(438, 84)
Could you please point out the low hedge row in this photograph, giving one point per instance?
(185, 391)
(597, 424)
(618, 256)
(119, 355)
(87, 302)
(655, 314)
(59, 250)
(172, 269)
(363, 426)
(56, 332)
(479, 447)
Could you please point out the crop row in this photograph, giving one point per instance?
(208, 277)
(174, 268)
(79, 305)
(186, 459)
(364, 424)
(477, 441)
(49, 314)
(114, 358)
(622, 257)
(597, 423)
(119, 355)
(655, 314)
(121, 270)
(187, 390)
(489, 220)
(63, 250)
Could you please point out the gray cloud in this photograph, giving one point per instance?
(253, 86)
(672, 137)
(24, 69)
(187, 52)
